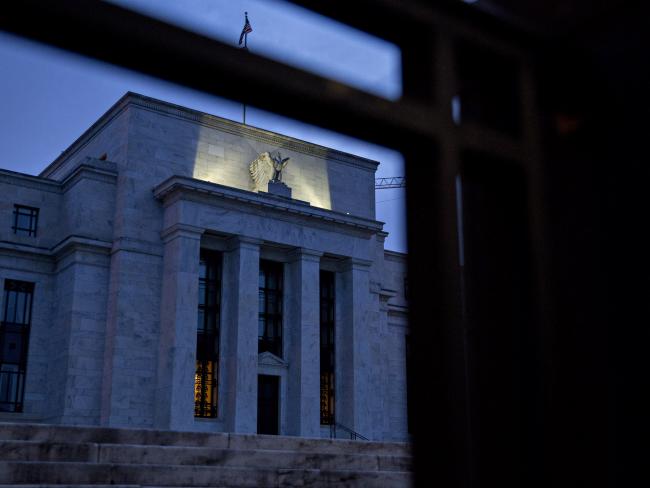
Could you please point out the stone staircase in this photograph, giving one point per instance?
(98, 457)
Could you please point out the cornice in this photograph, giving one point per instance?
(34, 252)
(88, 170)
(178, 186)
(29, 181)
(395, 255)
(80, 243)
(59, 250)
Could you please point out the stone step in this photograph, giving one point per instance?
(188, 455)
(55, 473)
(105, 435)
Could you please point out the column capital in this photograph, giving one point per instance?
(304, 254)
(238, 242)
(181, 230)
(356, 264)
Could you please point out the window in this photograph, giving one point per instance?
(327, 309)
(25, 220)
(14, 337)
(207, 335)
(270, 308)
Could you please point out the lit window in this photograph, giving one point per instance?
(25, 220)
(14, 337)
(327, 314)
(207, 335)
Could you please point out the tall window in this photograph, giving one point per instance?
(327, 308)
(207, 335)
(270, 308)
(25, 220)
(14, 337)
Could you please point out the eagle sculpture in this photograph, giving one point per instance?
(267, 167)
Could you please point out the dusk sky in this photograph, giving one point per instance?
(49, 97)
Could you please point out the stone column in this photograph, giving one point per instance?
(303, 328)
(354, 392)
(239, 333)
(178, 315)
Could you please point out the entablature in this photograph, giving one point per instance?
(181, 187)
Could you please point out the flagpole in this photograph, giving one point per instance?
(245, 49)
(244, 104)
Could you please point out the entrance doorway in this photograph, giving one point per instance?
(268, 403)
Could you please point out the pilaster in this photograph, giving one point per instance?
(178, 315)
(303, 327)
(239, 325)
(354, 359)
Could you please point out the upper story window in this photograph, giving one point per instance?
(270, 308)
(25, 220)
(14, 336)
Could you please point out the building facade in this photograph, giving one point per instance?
(151, 278)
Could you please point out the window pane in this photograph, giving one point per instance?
(260, 327)
(200, 320)
(23, 221)
(201, 293)
(10, 310)
(12, 348)
(272, 280)
(20, 308)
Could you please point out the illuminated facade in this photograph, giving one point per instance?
(147, 282)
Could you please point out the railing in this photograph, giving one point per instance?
(353, 435)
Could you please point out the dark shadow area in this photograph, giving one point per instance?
(504, 384)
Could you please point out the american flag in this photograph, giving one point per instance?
(247, 29)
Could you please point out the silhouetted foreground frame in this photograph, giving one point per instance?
(471, 426)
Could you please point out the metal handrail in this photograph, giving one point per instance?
(353, 435)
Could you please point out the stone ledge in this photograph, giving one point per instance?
(111, 435)
(177, 186)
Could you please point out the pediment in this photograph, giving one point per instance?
(269, 359)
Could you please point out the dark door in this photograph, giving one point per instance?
(268, 411)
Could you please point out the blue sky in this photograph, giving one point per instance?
(49, 97)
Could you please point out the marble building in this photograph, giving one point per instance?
(153, 277)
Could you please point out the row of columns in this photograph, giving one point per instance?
(239, 338)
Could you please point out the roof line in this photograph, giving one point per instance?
(161, 106)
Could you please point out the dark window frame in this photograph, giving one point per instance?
(206, 380)
(270, 322)
(327, 347)
(32, 214)
(15, 322)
